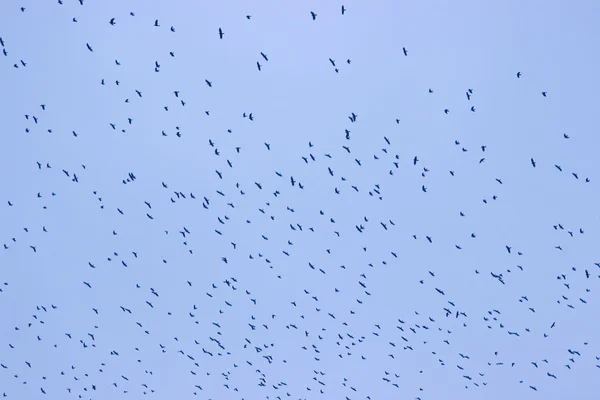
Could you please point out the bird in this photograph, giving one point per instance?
(405, 51)
(313, 15)
(221, 33)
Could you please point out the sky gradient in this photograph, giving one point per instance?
(411, 242)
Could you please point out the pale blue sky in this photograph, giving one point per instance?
(296, 98)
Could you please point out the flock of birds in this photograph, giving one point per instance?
(309, 256)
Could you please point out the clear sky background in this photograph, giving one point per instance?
(368, 321)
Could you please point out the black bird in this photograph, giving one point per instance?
(405, 51)
(314, 16)
(221, 33)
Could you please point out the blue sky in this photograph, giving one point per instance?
(359, 341)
